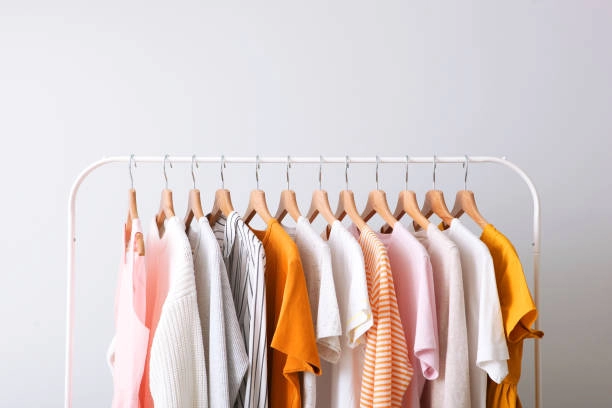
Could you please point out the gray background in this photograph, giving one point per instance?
(81, 80)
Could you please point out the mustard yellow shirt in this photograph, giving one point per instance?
(518, 314)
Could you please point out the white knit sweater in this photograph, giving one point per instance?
(177, 371)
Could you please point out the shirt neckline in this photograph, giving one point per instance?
(265, 234)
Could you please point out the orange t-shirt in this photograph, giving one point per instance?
(518, 314)
(290, 331)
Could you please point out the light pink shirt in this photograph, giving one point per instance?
(128, 349)
(413, 280)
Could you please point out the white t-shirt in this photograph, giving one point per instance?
(317, 264)
(226, 357)
(488, 351)
(340, 384)
(452, 387)
(245, 260)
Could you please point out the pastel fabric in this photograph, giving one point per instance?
(293, 348)
(487, 347)
(224, 351)
(387, 369)
(175, 374)
(518, 312)
(413, 281)
(128, 350)
(317, 264)
(245, 259)
(452, 387)
(340, 384)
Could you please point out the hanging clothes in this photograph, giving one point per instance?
(387, 369)
(317, 264)
(128, 350)
(487, 349)
(244, 258)
(224, 350)
(518, 312)
(413, 281)
(452, 387)
(290, 329)
(340, 384)
(175, 373)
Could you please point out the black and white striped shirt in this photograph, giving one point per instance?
(245, 260)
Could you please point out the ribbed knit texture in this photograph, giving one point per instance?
(176, 370)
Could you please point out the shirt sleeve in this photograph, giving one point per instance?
(492, 353)
(359, 316)
(521, 312)
(426, 334)
(329, 328)
(294, 334)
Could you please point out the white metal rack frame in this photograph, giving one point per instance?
(71, 247)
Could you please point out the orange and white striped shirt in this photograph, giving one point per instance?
(387, 370)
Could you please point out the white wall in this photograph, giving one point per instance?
(526, 79)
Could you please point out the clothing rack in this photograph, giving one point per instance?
(71, 247)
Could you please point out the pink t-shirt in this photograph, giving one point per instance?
(128, 349)
(413, 280)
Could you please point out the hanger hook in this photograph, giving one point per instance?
(222, 167)
(193, 161)
(346, 166)
(257, 167)
(287, 170)
(132, 162)
(320, 171)
(377, 163)
(434, 171)
(465, 176)
(164, 163)
(406, 176)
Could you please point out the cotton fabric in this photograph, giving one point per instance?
(293, 347)
(245, 260)
(175, 372)
(128, 350)
(387, 369)
(452, 387)
(317, 264)
(518, 312)
(224, 350)
(340, 384)
(487, 347)
(413, 281)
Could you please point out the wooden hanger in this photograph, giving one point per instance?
(223, 200)
(320, 202)
(257, 201)
(407, 204)
(166, 205)
(346, 203)
(320, 205)
(194, 205)
(465, 202)
(288, 202)
(434, 203)
(133, 215)
(377, 203)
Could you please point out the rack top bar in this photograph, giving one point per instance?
(303, 159)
